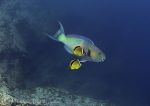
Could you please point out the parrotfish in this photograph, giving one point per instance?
(84, 46)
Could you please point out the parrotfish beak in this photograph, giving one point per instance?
(102, 57)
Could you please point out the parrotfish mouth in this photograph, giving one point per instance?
(103, 59)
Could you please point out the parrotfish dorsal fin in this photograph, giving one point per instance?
(81, 37)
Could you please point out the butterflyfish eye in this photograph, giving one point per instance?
(74, 64)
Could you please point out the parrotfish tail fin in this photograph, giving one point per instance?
(59, 35)
(49, 36)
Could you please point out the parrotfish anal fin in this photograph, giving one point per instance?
(68, 49)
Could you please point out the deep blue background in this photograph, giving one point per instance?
(121, 29)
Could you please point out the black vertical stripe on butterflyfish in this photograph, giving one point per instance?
(72, 62)
(76, 47)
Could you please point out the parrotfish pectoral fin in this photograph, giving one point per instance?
(83, 60)
(68, 49)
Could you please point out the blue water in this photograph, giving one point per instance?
(120, 28)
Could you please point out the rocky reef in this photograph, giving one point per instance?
(19, 41)
(44, 97)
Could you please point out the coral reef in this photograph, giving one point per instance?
(45, 97)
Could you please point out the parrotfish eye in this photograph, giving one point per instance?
(89, 53)
(99, 53)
